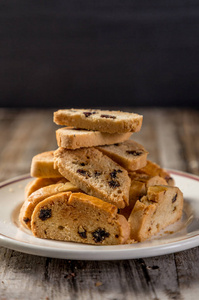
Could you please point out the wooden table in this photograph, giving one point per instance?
(172, 138)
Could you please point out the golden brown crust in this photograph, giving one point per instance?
(42, 166)
(38, 196)
(38, 183)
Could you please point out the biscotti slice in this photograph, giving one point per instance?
(79, 218)
(101, 120)
(72, 138)
(95, 174)
(43, 166)
(129, 154)
(161, 207)
(154, 169)
(139, 186)
(38, 183)
(38, 196)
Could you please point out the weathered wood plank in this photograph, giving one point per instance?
(30, 133)
(152, 278)
(189, 137)
(148, 134)
(169, 147)
(187, 266)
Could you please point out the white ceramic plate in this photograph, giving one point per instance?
(180, 236)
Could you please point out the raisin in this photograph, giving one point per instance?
(84, 173)
(114, 173)
(60, 227)
(83, 235)
(82, 232)
(116, 144)
(82, 164)
(174, 198)
(88, 113)
(134, 152)
(113, 183)
(97, 173)
(45, 214)
(108, 116)
(167, 178)
(26, 220)
(100, 234)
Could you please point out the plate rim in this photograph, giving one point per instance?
(94, 252)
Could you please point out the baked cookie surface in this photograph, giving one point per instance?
(139, 186)
(72, 138)
(129, 154)
(38, 183)
(38, 196)
(79, 218)
(153, 169)
(162, 206)
(42, 165)
(101, 120)
(95, 174)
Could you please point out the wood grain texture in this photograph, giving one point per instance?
(171, 136)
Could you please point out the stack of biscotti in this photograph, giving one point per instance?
(88, 190)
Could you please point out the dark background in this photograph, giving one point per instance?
(99, 53)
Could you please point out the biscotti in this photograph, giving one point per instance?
(154, 169)
(38, 183)
(72, 138)
(43, 166)
(98, 187)
(95, 174)
(100, 120)
(79, 218)
(39, 195)
(129, 154)
(161, 207)
(138, 188)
